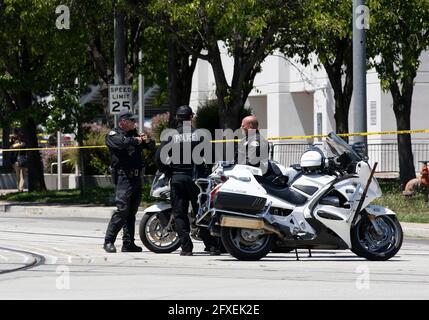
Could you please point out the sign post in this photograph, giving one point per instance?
(59, 161)
(141, 97)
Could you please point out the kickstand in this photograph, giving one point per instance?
(296, 252)
(309, 253)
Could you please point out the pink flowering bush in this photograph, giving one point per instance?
(159, 123)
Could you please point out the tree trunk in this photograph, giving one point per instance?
(402, 108)
(181, 67)
(81, 159)
(229, 116)
(341, 117)
(36, 180)
(342, 93)
(172, 80)
(7, 165)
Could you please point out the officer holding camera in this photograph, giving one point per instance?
(126, 148)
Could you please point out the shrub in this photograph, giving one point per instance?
(97, 160)
(159, 123)
(50, 156)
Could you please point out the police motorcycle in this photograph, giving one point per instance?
(325, 205)
(157, 226)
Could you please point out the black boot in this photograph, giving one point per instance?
(131, 248)
(214, 251)
(109, 247)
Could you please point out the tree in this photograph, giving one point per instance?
(22, 57)
(5, 124)
(140, 34)
(247, 28)
(399, 33)
(38, 60)
(180, 62)
(326, 30)
(181, 67)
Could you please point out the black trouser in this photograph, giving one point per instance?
(183, 191)
(128, 196)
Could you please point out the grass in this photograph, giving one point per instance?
(408, 210)
(95, 196)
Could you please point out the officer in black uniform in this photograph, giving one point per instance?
(183, 188)
(253, 148)
(126, 147)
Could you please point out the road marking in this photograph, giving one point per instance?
(36, 250)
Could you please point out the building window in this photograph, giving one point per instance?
(319, 123)
(373, 113)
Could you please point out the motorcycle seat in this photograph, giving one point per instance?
(284, 193)
(275, 175)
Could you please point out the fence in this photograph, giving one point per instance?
(385, 154)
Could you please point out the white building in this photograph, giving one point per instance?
(290, 99)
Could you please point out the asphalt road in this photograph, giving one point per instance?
(62, 258)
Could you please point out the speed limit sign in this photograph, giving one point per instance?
(120, 96)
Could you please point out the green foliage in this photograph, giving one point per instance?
(93, 196)
(412, 209)
(324, 28)
(398, 34)
(249, 29)
(96, 196)
(97, 160)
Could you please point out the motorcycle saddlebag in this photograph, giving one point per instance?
(239, 202)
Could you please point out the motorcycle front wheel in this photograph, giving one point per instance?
(156, 238)
(246, 244)
(367, 243)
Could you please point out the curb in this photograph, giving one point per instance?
(415, 230)
(412, 230)
(56, 210)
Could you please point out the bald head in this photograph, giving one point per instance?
(249, 122)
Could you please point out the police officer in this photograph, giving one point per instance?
(253, 148)
(183, 188)
(126, 147)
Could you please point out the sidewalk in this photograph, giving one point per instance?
(56, 209)
(411, 230)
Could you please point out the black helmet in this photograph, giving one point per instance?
(184, 112)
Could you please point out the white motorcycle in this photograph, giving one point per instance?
(157, 226)
(326, 205)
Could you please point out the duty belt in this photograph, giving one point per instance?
(130, 173)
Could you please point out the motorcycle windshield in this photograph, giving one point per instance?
(338, 147)
(159, 181)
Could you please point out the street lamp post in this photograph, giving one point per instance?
(141, 97)
(360, 24)
(119, 50)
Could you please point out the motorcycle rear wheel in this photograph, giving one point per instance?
(155, 238)
(246, 244)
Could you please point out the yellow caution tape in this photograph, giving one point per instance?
(339, 134)
(236, 140)
(54, 148)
